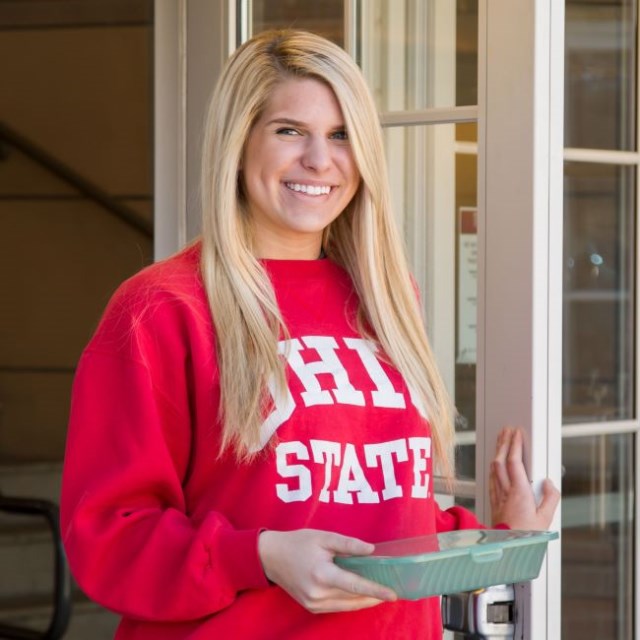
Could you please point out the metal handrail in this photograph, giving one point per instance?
(62, 581)
(75, 180)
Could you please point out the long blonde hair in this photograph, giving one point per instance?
(363, 239)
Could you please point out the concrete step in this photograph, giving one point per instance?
(88, 620)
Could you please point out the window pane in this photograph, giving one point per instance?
(600, 74)
(325, 18)
(433, 175)
(597, 538)
(418, 54)
(599, 284)
(466, 304)
(466, 52)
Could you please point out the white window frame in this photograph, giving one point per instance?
(192, 40)
(521, 102)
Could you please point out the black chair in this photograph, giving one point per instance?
(62, 578)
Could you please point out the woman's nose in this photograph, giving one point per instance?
(317, 154)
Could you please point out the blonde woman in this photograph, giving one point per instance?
(267, 399)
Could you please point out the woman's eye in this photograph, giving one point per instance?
(287, 131)
(341, 134)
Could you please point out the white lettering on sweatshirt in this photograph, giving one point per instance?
(343, 392)
(322, 357)
(384, 395)
(350, 471)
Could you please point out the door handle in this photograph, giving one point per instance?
(484, 614)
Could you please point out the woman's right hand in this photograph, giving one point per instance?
(301, 562)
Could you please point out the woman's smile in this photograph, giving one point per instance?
(309, 189)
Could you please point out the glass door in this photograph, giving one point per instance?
(420, 59)
(423, 61)
(599, 403)
(473, 140)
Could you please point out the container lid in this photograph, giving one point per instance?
(450, 544)
(451, 562)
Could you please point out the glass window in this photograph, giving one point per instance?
(419, 54)
(417, 195)
(599, 320)
(433, 175)
(416, 56)
(466, 52)
(411, 154)
(597, 538)
(325, 18)
(600, 74)
(599, 285)
(466, 298)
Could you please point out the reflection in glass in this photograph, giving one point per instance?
(466, 311)
(419, 54)
(421, 166)
(600, 74)
(599, 284)
(597, 538)
(466, 52)
(325, 18)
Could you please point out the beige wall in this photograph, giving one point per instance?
(83, 95)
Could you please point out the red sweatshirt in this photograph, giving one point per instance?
(161, 530)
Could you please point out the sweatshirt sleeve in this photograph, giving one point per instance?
(131, 543)
(456, 518)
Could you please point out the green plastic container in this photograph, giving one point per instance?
(452, 562)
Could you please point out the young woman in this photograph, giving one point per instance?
(267, 399)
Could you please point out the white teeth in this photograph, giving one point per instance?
(308, 189)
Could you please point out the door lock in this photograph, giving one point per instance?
(481, 615)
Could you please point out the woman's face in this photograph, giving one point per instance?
(298, 170)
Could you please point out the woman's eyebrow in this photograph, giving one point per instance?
(291, 121)
(298, 123)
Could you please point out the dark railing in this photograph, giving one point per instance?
(75, 180)
(62, 579)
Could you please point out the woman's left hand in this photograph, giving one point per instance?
(512, 498)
